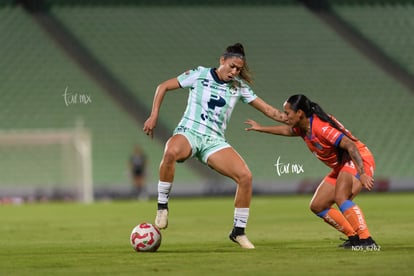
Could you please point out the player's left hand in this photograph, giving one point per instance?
(367, 181)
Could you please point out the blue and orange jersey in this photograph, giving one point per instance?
(323, 141)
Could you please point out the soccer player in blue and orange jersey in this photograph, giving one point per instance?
(351, 161)
(213, 94)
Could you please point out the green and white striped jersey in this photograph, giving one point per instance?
(211, 101)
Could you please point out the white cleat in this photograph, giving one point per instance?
(242, 240)
(161, 220)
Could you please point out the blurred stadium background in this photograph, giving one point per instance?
(355, 58)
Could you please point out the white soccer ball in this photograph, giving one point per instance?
(145, 237)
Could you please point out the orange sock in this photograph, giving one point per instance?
(356, 218)
(337, 220)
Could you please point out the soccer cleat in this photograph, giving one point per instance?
(368, 243)
(161, 220)
(242, 240)
(351, 241)
(360, 244)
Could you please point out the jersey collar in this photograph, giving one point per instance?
(215, 76)
(310, 126)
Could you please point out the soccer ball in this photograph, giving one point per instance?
(145, 237)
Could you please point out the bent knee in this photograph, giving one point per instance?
(339, 199)
(247, 176)
(244, 178)
(169, 157)
(315, 208)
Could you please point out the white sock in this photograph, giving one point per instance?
(241, 215)
(164, 189)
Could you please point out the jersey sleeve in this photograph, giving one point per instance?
(330, 135)
(247, 94)
(188, 78)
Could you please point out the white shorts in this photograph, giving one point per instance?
(202, 146)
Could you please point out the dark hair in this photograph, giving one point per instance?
(237, 50)
(303, 103)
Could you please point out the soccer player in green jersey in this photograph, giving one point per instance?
(213, 93)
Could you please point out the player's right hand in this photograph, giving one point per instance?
(149, 126)
(253, 125)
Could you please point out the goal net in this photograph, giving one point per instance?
(46, 164)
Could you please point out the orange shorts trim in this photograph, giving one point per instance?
(369, 167)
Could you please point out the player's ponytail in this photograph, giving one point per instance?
(317, 109)
(237, 50)
(303, 103)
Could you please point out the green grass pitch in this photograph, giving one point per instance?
(77, 239)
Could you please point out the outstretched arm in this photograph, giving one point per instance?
(276, 130)
(160, 92)
(348, 145)
(268, 110)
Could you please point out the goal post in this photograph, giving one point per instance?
(40, 164)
